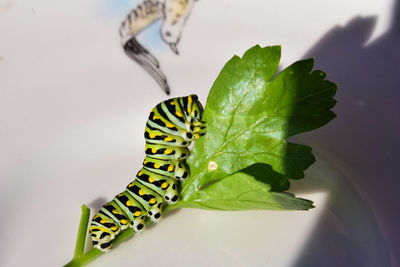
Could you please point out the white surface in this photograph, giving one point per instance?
(72, 113)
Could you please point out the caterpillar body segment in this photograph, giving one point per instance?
(133, 209)
(165, 152)
(171, 127)
(170, 168)
(163, 185)
(155, 136)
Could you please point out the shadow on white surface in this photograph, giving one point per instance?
(97, 203)
(363, 141)
(347, 233)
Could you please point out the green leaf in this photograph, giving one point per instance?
(241, 191)
(264, 173)
(250, 114)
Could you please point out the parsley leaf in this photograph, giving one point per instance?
(242, 191)
(250, 113)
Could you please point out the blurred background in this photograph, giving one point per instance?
(73, 107)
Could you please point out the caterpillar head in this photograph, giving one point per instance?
(181, 172)
(195, 109)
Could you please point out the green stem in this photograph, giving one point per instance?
(82, 231)
(81, 259)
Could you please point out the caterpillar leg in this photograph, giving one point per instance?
(138, 224)
(199, 127)
(197, 130)
(171, 194)
(180, 171)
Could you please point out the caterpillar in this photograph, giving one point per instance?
(171, 127)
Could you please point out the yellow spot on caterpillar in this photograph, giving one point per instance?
(212, 165)
(164, 185)
(130, 185)
(178, 114)
(114, 228)
(103, 221)
(129, 203)
(189, 104)
(140, 173)
(137, 213)
(115, 212)
(141, 192)
(152, 201)
(168, 138)
(156, 165)
(172, 103)
(170, 125)
(155, 117)
(145, 162)
(153, 150)
(168, 151)
(152, 135)
(120, 195)
(124, 221)
(151, 179)
(170, 168)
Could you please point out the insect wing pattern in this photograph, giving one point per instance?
(171, 127)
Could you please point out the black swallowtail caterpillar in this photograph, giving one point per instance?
(171, 127)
